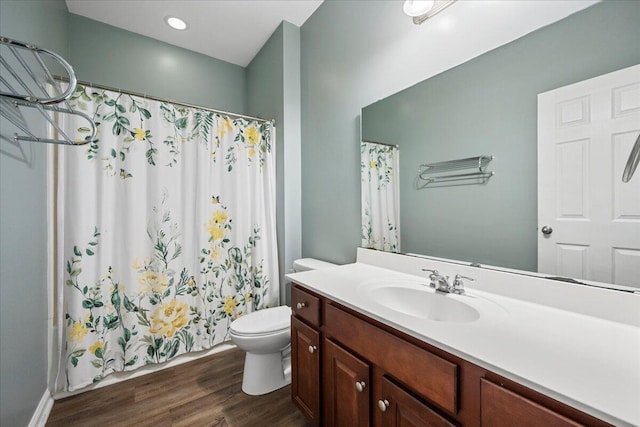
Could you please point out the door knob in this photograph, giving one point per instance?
(383, 405)
(546, 230)
(312, 349)
(360, 385)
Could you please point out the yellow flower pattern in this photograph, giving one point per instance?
(98, 345)
(77, 332)
(229, 306)
(216, 253)
(140, 262)
(139, 134)
(155, 307)
(168, 318)
(215, 231)
(252, 135)
(150, 281)
(225, 128)
(215, 226)
(220, 216)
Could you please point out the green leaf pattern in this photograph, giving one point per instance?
(127, 117)
(185, 281)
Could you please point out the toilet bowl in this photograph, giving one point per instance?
(265, 335)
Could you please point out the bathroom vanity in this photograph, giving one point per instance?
(374, 345)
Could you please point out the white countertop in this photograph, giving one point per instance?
(587, 361)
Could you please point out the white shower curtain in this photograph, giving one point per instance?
(165, 233)
(379, 166)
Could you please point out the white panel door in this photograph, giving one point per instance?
(588, 219)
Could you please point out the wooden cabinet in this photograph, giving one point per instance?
(502, 407)
(346, 387)
(350, 370)
(305, 369)
(430, 376)
(305, 306)
(396, 408)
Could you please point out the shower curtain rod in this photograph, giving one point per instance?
(184, 104)
(381, 143)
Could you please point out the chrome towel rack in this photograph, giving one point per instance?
(26, 80)
(479, 163)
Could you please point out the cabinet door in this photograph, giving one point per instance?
(500, 406)
(305, 369)
(397, 408)
(346, 387)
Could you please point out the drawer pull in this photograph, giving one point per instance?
(383, 405)
(360, 385)
(312, 349)
(301, 305)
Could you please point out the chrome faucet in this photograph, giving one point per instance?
(458, 284)
(441, 283)
(438, 281)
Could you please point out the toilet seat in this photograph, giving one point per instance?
(262, 322)
(257, 334)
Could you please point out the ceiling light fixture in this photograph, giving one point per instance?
(176, 23)
(417, 7)
(421, 10)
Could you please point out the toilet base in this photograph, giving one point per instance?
(264, 373)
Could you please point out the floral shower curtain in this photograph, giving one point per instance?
(166, 233)
(380, 196)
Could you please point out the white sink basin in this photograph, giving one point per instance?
(416, 299)
(424, 303)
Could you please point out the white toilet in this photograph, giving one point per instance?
(266, 337)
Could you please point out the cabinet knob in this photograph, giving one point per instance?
(360, 385)
(383, 405)
(312, 349)
(301, 305)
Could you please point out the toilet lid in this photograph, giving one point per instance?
(262, 322)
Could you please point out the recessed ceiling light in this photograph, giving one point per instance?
(176, 23)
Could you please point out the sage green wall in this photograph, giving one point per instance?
(273, 87)
(114, 57)
(489, 106)
(333, 94)
(23, 230)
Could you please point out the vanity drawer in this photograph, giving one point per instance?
(501, 407)
(428, 375)
(402, 409)
(305, 305)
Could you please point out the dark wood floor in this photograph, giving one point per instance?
(205, 392)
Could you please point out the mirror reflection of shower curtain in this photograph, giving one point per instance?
(379, 167)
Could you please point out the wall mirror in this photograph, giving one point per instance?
(489, 106)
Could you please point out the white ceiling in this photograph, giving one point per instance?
(233, 31)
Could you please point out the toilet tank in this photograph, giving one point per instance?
(305, 264)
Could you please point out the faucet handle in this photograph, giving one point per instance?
(433, 276)
(458, 284)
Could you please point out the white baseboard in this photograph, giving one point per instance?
(40, 416)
